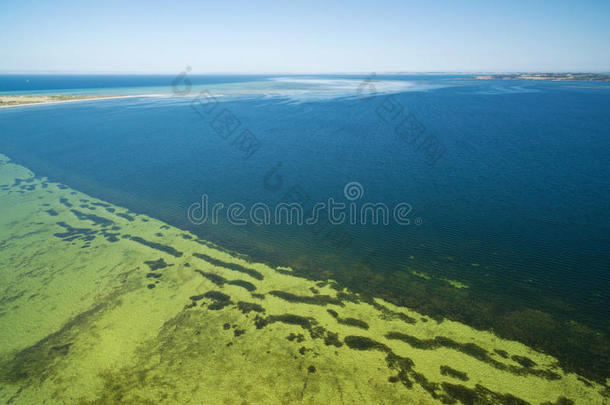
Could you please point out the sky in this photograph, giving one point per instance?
(113, 36)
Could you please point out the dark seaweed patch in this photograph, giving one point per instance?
(125, 216)
(389, 314)
(332, 339)
(469, 349)
(65, 202)
(580, 347)
(290, 319)
(231, 266)
(215, 306)
(97, 220)
(560, 401)
(353, 322)
(61, 349)
(52, 212)
(364, 343)
(403, 365)
(86, 234)
(153, 275)
(298, 337)
(348, 321)
(247, 307)
(244, 284)
(156, 264)
(348, 296)
(100, 204)
(158, 246)
(214, 278)
(524, 361)
(502, 353)
(110, 236)
(480, 395)
(315, 300)
(219, 299)
(38, 361)
(451, 372)
(216, 296)
(309, 324)
(72, 233)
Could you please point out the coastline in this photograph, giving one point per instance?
(71, 100)
(553, 77)
(151, 307)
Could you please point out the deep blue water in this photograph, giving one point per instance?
(516, 207)
(37, 83)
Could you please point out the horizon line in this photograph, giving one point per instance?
(349, 73)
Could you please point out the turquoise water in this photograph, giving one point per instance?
(516, 207)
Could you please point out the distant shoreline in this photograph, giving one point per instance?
(588, 77)
(24, 100)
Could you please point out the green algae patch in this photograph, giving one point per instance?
(455, 283)
(427, 277)
(79, 324)
(421, 274)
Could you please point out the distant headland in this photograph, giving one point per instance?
(589, 77)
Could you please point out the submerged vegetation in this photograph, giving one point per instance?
(578, 348)
(204, 334)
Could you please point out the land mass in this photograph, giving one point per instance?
(589, 77)
(11, 100)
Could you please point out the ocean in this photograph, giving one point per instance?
(504, 185)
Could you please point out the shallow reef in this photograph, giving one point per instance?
(104, 306)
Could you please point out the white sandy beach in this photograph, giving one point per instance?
(44, 99)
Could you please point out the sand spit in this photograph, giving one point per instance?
(8, 101)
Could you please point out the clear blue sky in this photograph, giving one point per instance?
(304, 36)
